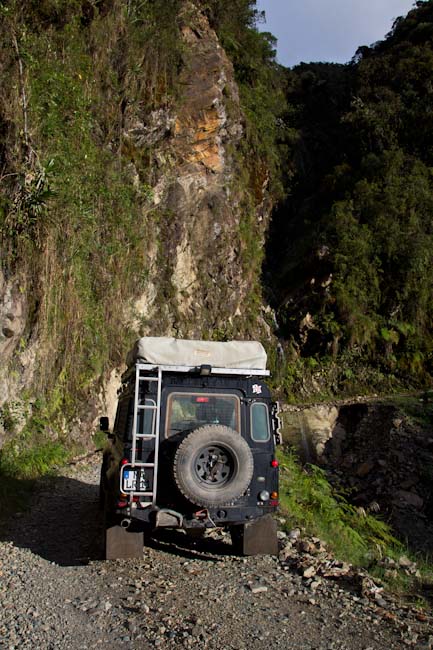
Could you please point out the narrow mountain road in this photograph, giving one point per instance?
(55, 592)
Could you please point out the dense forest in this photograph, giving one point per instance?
(350, 251)
(161, 174)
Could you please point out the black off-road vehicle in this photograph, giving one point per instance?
(193, 446)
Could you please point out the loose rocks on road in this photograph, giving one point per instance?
(55, 592)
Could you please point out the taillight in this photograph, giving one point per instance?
(124, 461)
(274, 463)
(122, 504)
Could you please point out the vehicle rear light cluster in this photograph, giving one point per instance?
(124, 461)
(122, 504)
(274, 463)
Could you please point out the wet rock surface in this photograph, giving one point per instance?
(57, 593)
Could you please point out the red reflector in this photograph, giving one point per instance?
(202, 400)
(274, 463)
(274, 502)
(135, 499)
(124, 461)
(122, 504)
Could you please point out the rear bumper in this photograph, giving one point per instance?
(204, 518)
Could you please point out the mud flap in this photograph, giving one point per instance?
(258, 537)
(121, 543)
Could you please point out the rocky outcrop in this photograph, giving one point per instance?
(310, 429)
(197, 186)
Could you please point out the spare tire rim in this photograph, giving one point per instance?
(214, 465)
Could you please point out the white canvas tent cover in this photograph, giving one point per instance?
(166, 351)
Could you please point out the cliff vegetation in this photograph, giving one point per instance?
(138, 162)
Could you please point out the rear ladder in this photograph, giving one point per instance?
(152, 437)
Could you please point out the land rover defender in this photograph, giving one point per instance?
(192, 447)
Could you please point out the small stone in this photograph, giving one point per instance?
(380, 601)
(409, 498)
(304, 546)
(365, 468)
(309, 572)
(404, 562)
(258, 589)
(294, 534)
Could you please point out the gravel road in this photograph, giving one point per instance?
(55, 592)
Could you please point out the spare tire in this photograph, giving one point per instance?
(213, 466)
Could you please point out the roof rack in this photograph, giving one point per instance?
(200, 370)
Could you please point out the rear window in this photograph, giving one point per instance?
(186, 411)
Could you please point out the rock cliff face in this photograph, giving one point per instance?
(197, 185)
(201, 280)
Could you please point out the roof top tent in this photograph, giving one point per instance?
(180, 355)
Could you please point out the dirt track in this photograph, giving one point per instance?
(55, 592)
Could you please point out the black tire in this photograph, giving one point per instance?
(213, 466)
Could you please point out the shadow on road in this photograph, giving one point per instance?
(63, 524)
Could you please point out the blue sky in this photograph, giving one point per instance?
(328, 30)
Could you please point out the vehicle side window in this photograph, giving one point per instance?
(259, 422)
